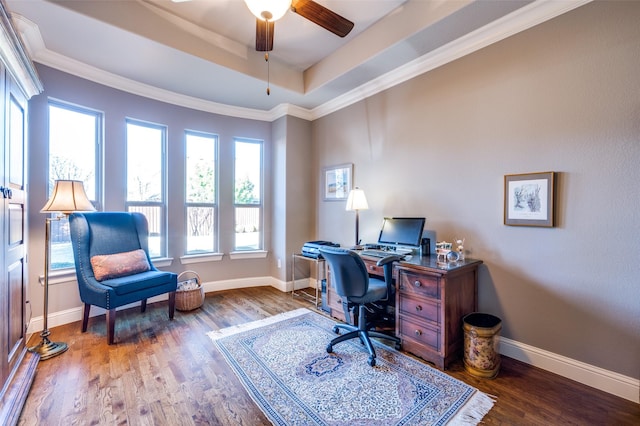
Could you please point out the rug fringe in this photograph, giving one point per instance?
(473, 411)
(229, 331)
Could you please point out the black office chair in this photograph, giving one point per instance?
(354, 286)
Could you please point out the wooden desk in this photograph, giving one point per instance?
(431, 300)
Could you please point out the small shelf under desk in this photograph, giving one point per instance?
(320, 275)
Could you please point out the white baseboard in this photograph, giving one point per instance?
(241, 283)
(299, 284)
(75, 314)
(596, 377)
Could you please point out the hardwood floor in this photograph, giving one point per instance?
(163, 372)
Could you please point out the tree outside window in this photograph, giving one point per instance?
(201, 190)
(74, 137)
(248, 195)
(145, 179)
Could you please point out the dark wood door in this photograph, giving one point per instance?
(13, 220)
(4, 214)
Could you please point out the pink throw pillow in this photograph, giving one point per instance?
(119, 264)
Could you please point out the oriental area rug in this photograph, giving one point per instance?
(283, 364)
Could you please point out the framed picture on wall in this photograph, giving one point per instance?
(529, 199)
(337, 182)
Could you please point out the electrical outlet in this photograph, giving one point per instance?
(279, 263)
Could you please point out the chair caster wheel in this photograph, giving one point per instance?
(398, 346)
(336, 330)
(329, 348)
(372, 361)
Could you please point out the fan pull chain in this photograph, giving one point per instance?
(266, 58)
(268, 17)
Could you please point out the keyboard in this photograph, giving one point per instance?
(377, 253)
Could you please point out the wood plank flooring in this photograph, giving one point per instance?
(163, 372)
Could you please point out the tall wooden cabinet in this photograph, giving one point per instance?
(18, 82)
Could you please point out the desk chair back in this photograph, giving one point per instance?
(349, 272)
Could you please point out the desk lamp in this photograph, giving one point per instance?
(357, 201)
(68, 196)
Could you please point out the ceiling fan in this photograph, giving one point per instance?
(269, 11)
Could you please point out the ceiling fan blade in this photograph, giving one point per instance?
(322, 16)
(264, 35)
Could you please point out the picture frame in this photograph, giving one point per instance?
(337, 182)
(529, 199)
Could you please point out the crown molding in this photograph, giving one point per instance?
(15, 57)
(520, 20)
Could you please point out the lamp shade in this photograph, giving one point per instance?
(268, 10)
(357, 200)
(68, 196)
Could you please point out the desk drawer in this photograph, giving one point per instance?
(420, 333)
(422, 308)
(420, 284)
(335, 304)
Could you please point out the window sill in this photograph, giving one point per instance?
(201, 258)
(60, 276)
(162, 262)
(257, 254)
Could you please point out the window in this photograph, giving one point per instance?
(146, 181)
(75, 135)
(201, 192)
(248, 195)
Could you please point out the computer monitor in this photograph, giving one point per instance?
(401, 231)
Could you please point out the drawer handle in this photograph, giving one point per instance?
(418, 333)
(418, 308)
(417, 283)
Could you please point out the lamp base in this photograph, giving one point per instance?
(48, 349)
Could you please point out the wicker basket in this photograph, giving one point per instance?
(188, 300)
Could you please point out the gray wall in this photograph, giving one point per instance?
(292, 171)
(563, 96)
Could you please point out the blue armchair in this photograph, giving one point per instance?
(113, 268)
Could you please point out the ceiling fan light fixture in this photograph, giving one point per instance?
(268, 10)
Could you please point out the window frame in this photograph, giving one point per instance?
(98, 170)
(162, 204)
(259, 205)
(214, 205)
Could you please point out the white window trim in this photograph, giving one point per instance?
(248, 254)
(201, 258)
(252, 254)
(197, 257)
(163, 204)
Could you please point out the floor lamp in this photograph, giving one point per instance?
(68, 196)
(357, 201)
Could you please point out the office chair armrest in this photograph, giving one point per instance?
(389, 259)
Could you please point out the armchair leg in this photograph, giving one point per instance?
(111, 325)
(143, 305)
(85, 317)
(172, 304)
